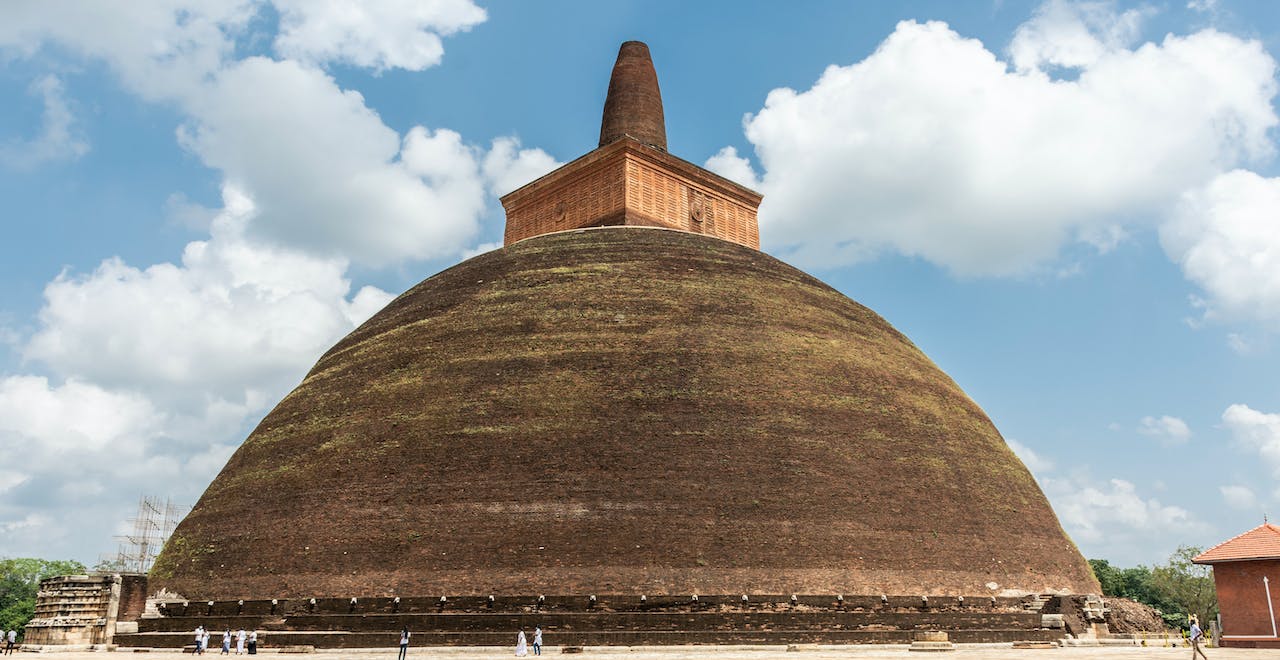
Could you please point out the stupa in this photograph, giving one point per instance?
(628, 398)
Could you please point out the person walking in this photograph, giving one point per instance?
(404, 643)
(226, 643)
(1197, 636)
(522, 645)
(199, 639)
(12, 638)
(204, 642)
(240, 641)
(537, 640)
(253, 642)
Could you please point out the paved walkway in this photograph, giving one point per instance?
(860, 652)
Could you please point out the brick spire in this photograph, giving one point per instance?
(630, 179)
(634, 104)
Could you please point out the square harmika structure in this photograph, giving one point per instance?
(630, 179)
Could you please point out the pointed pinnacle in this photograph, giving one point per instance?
(634, 104)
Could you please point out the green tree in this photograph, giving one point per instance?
(1108, 577)
(1176, 589)
(20, 580)
(1187, 586)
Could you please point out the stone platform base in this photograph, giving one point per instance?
(604, 621)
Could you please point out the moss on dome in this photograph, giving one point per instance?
(622, 410)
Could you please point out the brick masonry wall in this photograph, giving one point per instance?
(626, 183)
(670, 199)
(1242, 598)
(578, 199)
(133, 597)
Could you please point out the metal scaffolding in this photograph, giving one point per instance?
(156, 519)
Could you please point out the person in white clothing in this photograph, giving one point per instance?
(204, 642)
(537, 640)
(13, 640)
(199, 639)
(404, 643)
(240, 641)
(522, 645)
(253, 642)
(226, 642)
(1197, 636)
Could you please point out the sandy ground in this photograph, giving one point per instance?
(974, 652)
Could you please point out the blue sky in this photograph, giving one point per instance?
(1073, 208)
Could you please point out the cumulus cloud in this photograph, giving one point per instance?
(86, 453)
(58, 138)
(1073, 35)
(151, 374)
(378, 34)
(160, 50)
(507, 166)
(730, 165)
(161, 368)
(1226, 237)
(1256, 431)
(323, 170)
(1034, 461)
(75, 416)
(934, 147)
(1238, 497)
(1167, 429)
(231, 314)
(1112, 519)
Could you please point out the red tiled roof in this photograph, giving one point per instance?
(1261, 542)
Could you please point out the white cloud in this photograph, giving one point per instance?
(1238, 497)
(1239, 344)
(81, 453)
(378, 34)
(1091, 510)
(155, 372)
(324, 171)
(26, 525)
(1034, 462)
(933, 147)
(728, 164)
(326, 174)
(1226, 237)
(232, 319)
(1113, 520)
(481, 249)
(75, 416)
(1073, 35)
(508, 167)
(1257, 431)
(58, 138)
(161, 50)
(162, 369)
(1167, 429)
(1208, 6)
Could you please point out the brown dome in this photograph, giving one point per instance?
(622, 411)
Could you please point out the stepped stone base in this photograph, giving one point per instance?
(606, 621)
(931, 640)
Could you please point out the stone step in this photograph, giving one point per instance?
(576, 603)
(467, 622)
(333, 639)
